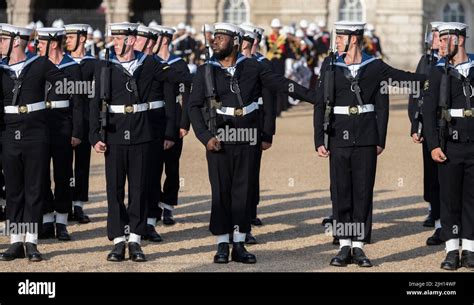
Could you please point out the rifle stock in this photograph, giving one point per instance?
(105, 95)
(329, 94)
(210, 93)
(444, 116)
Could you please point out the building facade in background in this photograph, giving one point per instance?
(400, 24)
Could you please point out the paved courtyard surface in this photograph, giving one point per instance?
(295, 198)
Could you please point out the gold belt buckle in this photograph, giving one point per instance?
(129, 109)
(353, 110)
(239, 112)
(468, 112)
(48, 105)
(23, 109)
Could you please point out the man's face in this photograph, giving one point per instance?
(222, 45)
(276, 31)
(42, 44)
(71, 40)
(246, 45)
(341, 41)
(140, 43)
(120, 39)
(435, 44)
(448, 40)
(4, 44)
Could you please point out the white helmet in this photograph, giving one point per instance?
(31, 25)
(276, 23)
(300, 34)
(304, 24)
(289, 30)
(58, 23)
(152, 23)
(97, 34)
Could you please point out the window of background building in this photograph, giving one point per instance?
(351, 10)
(236, 11)
(454, 12)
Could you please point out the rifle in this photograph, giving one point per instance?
(426, 70)
(210, 91)
(329, 86)
(445, 92)
(105, 95)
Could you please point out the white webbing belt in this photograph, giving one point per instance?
(461, 113)
(25, 108)
(57, 104)
(238, 111)
(353, 110)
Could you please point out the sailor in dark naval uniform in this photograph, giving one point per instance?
(25, 138)
(76, 36)
(65, 121)
(415, 113)
(229, 128)
(356, 136)
(168, 198)
(267, 113)
(449, 132)
(126, 138)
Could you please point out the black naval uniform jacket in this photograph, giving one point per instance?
(424, 67)
(365, 129)
(32, 126)
(162, 124)
(88, 64)
(149, 74)
(462, 128)
(268, 111)
(182, 114)
(66, 122)
(251, 76)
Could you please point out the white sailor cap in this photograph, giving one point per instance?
(435, 25)
(164, 31)
(349, 27)
(181, 26)
(453, 28)
(250, 36)
(248, 27)
(77, 28)
(147, 32)
(51, 33)
(13, 31)
(123, 28)
(228, 29)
